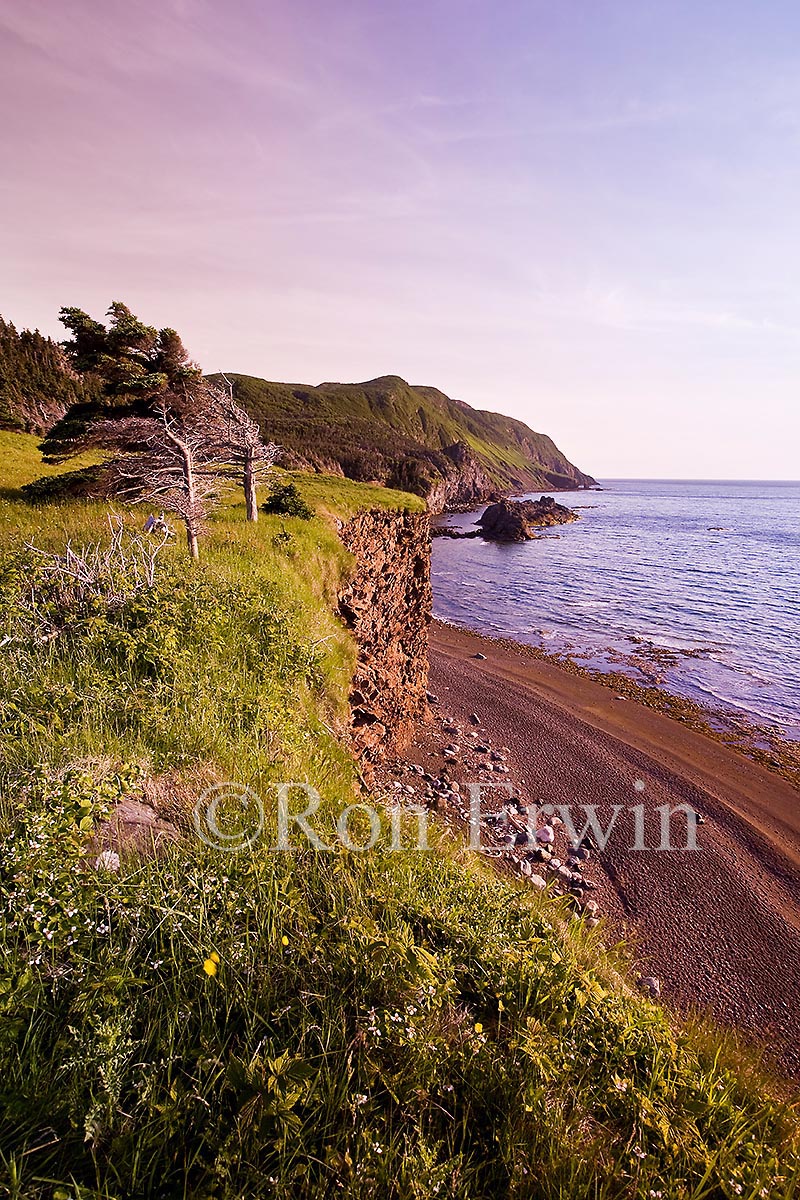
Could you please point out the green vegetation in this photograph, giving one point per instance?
(294, 1024)
(130, 369)
(339, 497)
(284, 499)
(37, 385)
(410, 437)
(68, 485)
(20, 466)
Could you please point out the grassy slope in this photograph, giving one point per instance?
(389, 417)
(382, 1025)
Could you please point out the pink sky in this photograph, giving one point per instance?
(585, 215)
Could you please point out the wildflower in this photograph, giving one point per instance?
(478, 1027)
(107, 861)
(284, 940)
(214, 957)
(210, 967)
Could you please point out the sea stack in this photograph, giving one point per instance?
(519, 520)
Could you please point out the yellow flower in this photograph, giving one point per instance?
(210, 967)
(478, 1027)
(284, 940)
(500, 1005)
(214, 957)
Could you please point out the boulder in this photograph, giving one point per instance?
(651, 986)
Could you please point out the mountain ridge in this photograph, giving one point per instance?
(413, 437)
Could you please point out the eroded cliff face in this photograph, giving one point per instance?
(386, 602)
(464, 485)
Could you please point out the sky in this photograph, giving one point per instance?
(583, 213)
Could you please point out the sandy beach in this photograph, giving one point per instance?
(720, 926)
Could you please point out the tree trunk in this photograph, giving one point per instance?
(191, 499)
(250, 499)
(192, 541)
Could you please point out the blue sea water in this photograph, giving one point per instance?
(706, 574)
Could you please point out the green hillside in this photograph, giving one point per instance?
(412, 437)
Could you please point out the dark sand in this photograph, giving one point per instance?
(719, 926)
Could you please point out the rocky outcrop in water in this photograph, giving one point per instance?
(520, 520)
(386, 602)
(448, 531)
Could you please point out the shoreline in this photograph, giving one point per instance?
(720, 926)
(733, 728)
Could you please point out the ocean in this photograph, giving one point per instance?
(694, 586)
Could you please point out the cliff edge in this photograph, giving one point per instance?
(386, 604)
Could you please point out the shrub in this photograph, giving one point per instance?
(285, 500)
(70, 485)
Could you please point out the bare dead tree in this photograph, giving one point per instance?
(248, 458)
(63, 588)
(172, 460)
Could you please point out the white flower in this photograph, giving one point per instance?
(107, 861)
